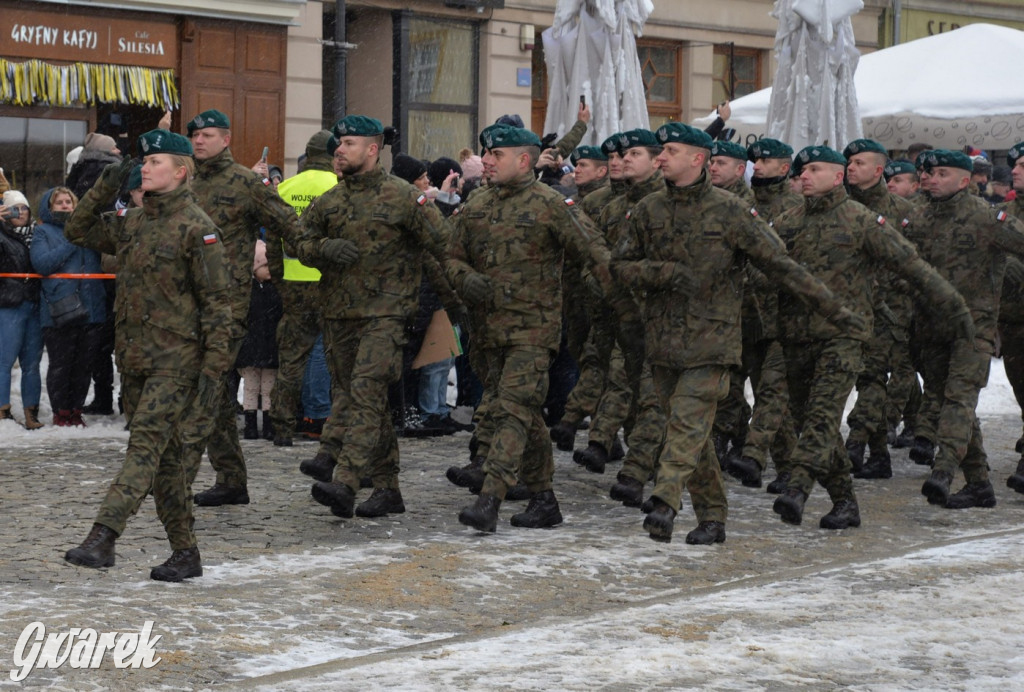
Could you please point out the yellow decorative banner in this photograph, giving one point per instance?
(35, 82)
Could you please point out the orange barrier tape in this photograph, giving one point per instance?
(58, 276)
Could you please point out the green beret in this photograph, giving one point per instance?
(637, 138)
(730, 149)
(859, 146)
(594, 153)
(945, 157)
(498, 136)
(819, 153)
(164, 142)
(332, 145)
(611, 145)
(684, 134)
(210, 118)
(769, 149)
(135, 178)
(894, 168)
(358, 126)
(1015, 152)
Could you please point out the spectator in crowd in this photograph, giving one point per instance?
(20, 336)
(257, 359)
(72, 311)
(97, 152)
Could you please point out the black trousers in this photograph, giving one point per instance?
(72, 351)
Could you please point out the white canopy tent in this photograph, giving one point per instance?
(942, 90)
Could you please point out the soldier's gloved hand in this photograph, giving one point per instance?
(206, 392)
(630, 337)
(114, 175)
(342, 252)
(683, 280)
(476, 289)
(849, 321)
(963, 326)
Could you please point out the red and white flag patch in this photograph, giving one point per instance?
(421, 200)
(1001, 216)
(209, 239)
(880, 220)
(122, 212)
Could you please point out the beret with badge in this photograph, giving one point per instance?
(164, 142)
(637, 138)
(683, 134)
(210, 118)
(861, 146)
(817, 153)
(894, 168)
(587, 152)
(1015, 152)
(611, 145)
(730, 149)
(357, 126)
(768, 148)
(945, 158)
(498, 136)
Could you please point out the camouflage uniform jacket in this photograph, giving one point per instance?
(392, 224)
(172, 311)
(571, 139)
(711, 232)
(843, 243)
(574, 290)
(239, 202)
(740, 188)
(966, 240)
(515, 234)
(1011, 303)
(593, 203)
(615, 214)
(891, 290)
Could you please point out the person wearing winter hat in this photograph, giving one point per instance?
(174, 341)
(97, 152)
(411, 170)
(472, 165)
(21, 338)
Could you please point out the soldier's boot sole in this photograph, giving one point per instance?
(707, 533)
(336, 496)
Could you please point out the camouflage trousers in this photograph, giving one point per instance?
(645, 429)
(602, 390)
(771, 427)
(926, 422)
(689, 399)
(363, 356)
(155, 408)
(515, 379)
(958, 371)
(867, 420)
(903, 391)
(821, 375)
(1011, 339)
(216, 431)
(584, 396)
(296, 335)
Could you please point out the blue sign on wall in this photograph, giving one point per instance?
(524, 76)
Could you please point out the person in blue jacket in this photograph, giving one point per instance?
(72, 310)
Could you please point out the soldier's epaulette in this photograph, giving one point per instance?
(1001, 215)
(421, 200)
(880, 220)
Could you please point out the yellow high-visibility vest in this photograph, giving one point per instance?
(299, 191)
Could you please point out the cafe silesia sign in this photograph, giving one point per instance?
(69, 37)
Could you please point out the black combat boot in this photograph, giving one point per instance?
(182, 564)
(780, 483)
(745, 470)
(844, 514)
(458, 474)
(563, 434)
(282, 440)
(618, 452)
(977, 494)
(541, 513)
(320, 467)
(381, 502)
(855, 450)
(627, 490)
(97, 550)
(706, 533)
(222, 495)
(518, 493)
(879, 465)
(1016, 480)
(594, 457)
(790, 505)
(1019, 447)
(936, 488)
(338, 496)
(249, 432)
(906, 437)
(658, 523)
(923, 451)
(482, 515)
(268, 426)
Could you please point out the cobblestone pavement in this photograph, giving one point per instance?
(292, 595)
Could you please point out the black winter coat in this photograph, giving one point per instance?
(259, 350)
(15, 259)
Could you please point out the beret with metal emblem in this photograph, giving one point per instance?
(357, 126)
(860, 146)
(683, 134)
(894, 168)
(819, 153)
(945, 157)
(1015, 152)
(730, 149)
(164, 142)
(210, 118)
(637, 138)
(587, 152)
(768, 148)
(611, 145)
(498, 136)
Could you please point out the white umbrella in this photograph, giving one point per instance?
(933, 90)
(814, 100)
(590, 51)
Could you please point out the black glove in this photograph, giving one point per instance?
(476, 289)
(339, 251)
(115, 175)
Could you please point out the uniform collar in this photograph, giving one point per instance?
(691, 193)
(830, 200)
(870, 197)
(637, 191)
(516, 185)
(215, 164)
(364, 181)
(160, 205)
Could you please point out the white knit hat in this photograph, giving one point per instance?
(13, 198)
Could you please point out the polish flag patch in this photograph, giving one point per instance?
(880, 220)
(753, 211)
(266, 181)
(569, 202)
(421, 200)
(905, 223)
(1001, 216)
(209, 239)
(122, 212)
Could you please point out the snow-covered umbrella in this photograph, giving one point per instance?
(813, 98)
(590, 51)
